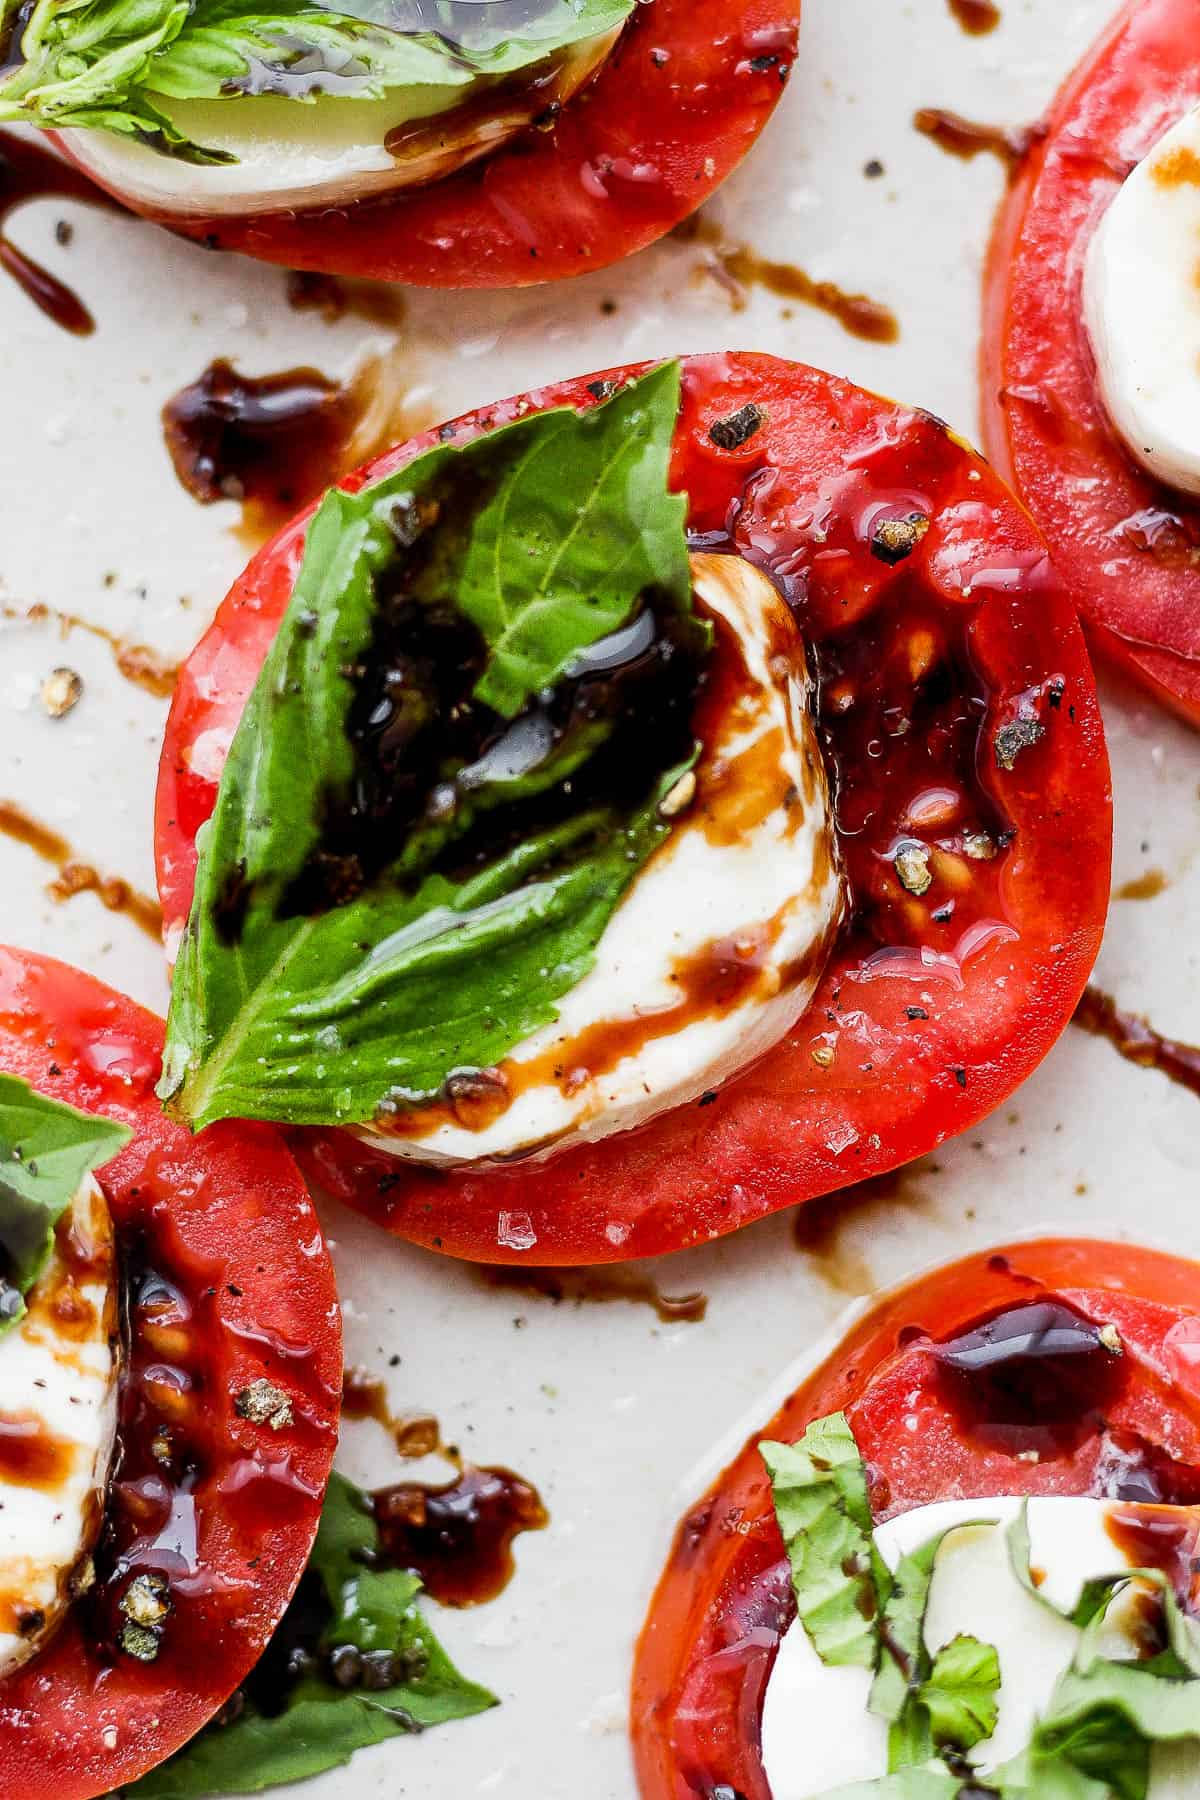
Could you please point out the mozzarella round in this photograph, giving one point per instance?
(59, 1371)
(327, 151)
(1141, 296)
(742, 900)
(816, 1731)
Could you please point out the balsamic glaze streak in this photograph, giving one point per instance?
(157, 1462)
(1137, 1041)
(171, 1445)
(1039, 1378)
(1034, 1377)
(28, 172)
(458, 1538)
(424, 747)
(272, 441)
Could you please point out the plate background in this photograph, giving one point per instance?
(603, 1407)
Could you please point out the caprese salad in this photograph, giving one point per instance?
(451, 143)
(170, 1387)
(960, 1563)
(630, 809)
(1092, 383)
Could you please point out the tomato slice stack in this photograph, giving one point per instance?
(724, 1599)
(229, 1284)
(1125, 544)
(958, 709)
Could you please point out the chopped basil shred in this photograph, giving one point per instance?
(119, 65)
(947, 1702)
(957, 1698)
(1095, 1738)
(838, 1577)
(443, 783)
(294, 1717)
(46, 1149)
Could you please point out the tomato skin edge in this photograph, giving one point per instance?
(229, 1217)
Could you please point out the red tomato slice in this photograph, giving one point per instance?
(1124, 542)
(923, 1023)
(670, 115)
(230, 1283)
(724, 1599)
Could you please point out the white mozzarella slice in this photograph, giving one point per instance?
(328, 151)
(747, 882)
(816, 1731)
(59, 1371)
(1142, 308)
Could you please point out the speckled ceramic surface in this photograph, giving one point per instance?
(604, 1407)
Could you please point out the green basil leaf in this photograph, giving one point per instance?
(1104, 1716)
(322, 1725)
(117, 64)
(903, 1658)
(314, 1012)
(230, 47)
(84, 61)
(907, 1691)
(959, 1694)
(259, 51)
(1030, 1777)
(346, 1539)
(932, 1783)
(587, 543)
(910, 1737)
(838, 1577)
(1100, 1758)
(46, 1149)
(1092, 1742)
(1052, 1778)
(1158, 1696)
(255, 1753)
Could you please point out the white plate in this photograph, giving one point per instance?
(605, 1409)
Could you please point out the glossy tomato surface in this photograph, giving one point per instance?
(958, 708)
(229, 1283)
(672, 112)
(724, 1600)
(1125, 543)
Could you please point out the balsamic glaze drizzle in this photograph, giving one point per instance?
(414, 717)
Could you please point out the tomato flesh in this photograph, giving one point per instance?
(933, 1007)
(672, 112)
(229, 1283)
(724, 1600)
(1124, 542)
